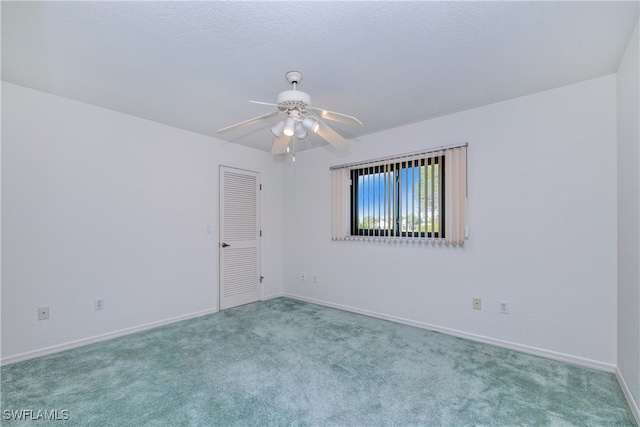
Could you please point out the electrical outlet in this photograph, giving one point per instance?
(303, 277)
(315, 278)
(43, 313)
(99, 303)
(477, 304)
(504, 307)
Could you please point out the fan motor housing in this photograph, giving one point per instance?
(290, 99)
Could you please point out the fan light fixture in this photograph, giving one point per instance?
(311, 125)
(295, 125)
(277, 129)
(289, 126)
(300, 132)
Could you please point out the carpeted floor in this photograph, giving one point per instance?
(283, 362)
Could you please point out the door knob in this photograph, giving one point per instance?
(224, 245)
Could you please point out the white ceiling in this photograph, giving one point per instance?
(195, 65)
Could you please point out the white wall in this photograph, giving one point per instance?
(100, 204)
(629, 218)
(96, 203)
(542, 201)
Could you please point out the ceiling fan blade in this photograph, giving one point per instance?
(331, 136)
(264, 103)
(336, 117)
(280, 144)
(248, 122)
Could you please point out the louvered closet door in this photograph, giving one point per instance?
(239, 237)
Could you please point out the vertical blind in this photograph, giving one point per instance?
(411, 198)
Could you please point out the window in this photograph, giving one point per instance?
(418, 197)
(398, 199)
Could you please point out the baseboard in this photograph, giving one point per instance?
(272, 296)
(453, 332)
(574, 360)
(103, 337)
(629, 396)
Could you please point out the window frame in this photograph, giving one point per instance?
(396, 168)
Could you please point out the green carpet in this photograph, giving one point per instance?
(283, 362)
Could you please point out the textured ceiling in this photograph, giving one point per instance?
(195, 65)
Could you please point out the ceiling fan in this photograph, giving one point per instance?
(301, 118)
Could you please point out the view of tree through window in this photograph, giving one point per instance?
(400, 199)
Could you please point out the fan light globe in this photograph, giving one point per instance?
(277, 129)
(289, 126)
(311, 125)
(300, 132)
